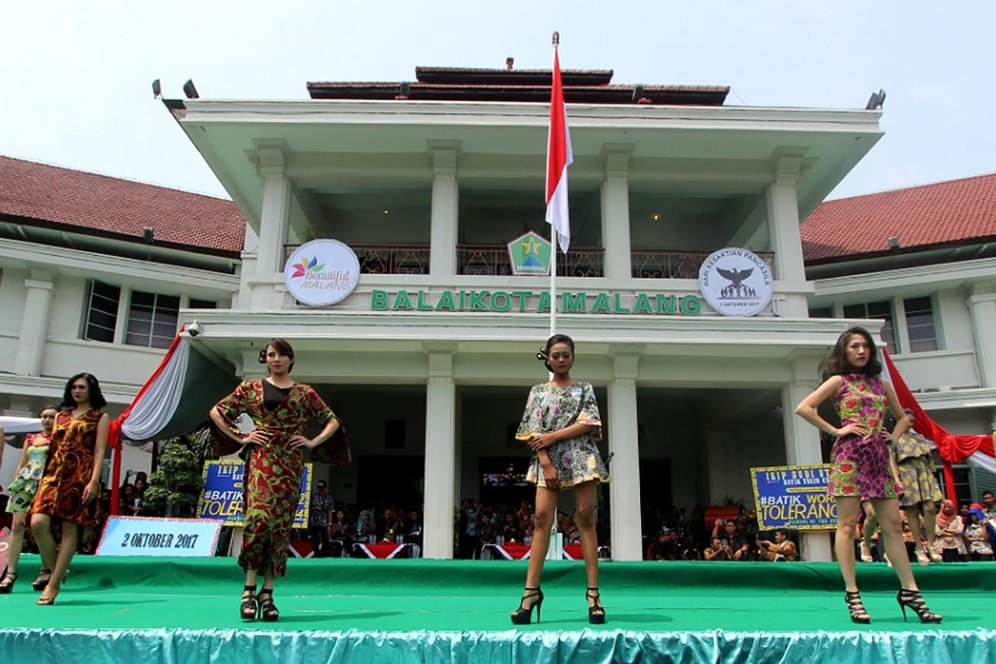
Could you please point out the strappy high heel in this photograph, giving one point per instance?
(866, 554)
(596, 612)
(7, 585)
(249, 607)
(267, 609)
(856, 607)
(522, 615)
(914, 600)
(42, 579)
(46, 601)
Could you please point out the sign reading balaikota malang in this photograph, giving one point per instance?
(523, 301)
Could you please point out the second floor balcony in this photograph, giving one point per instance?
(493, 260)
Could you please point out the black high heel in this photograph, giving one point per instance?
(856, 607)
(42, 579)
(914, 600)
(7, 584)
(596, 612)
(267, 609)
(522, 615)
(249, 607)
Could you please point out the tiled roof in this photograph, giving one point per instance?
(918, 217)
(582, 86)
(80, 202)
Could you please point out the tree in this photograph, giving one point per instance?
(176, 485)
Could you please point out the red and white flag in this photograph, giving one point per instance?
(558, 158)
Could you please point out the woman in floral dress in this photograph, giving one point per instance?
(861, 463)
(280, 410)
(71, 482)
(561, 424)
(22, 493)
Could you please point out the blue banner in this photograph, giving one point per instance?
(793, 497)
(222, 494)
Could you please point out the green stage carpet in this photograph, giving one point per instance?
(170, 609)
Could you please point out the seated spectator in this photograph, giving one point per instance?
(781, 550)
(735, 541)
(718, 551)
(666, 546)
(949, 527)
(976, 536)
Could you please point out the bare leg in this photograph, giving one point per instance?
(890, 521)
(871, 524)
(41, 528)
(913, 514)
(546, 508)
(584, 495)
(16, 542)
(848, 511)
(67, 548)
(930, 521)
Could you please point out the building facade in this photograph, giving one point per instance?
(430, 358)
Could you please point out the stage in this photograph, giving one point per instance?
(337, 610)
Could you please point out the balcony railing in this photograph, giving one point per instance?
(586, 262)
(674, 264)
(493, 260)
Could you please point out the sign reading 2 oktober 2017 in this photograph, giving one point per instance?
(222, 494)
(148, 536)
(793, 497)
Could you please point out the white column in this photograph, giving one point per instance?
(246, 269)
(274, 221)
(785, 234)
(445, 208)
(34, 324)
(121, 322)
(982, 305)
(626, 526)
(802, 445)
(618, 262)
(440, 492)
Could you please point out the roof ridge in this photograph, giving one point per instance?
(107, 176)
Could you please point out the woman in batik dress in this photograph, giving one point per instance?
(280, 410)
(561, 424)
(861, 463)
(71, 482)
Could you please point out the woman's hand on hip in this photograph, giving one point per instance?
(550, 476)
(541, 441)
(852, 429)
(297, 441)
(257, 437)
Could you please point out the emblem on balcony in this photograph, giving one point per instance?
(529, 254)
(735, 282)
(321, 272)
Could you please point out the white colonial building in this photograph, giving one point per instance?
(430, 358)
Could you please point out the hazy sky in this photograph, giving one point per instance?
(75, 77)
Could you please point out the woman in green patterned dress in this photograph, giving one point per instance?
(280, 409)
(22, 493)
(561, 424)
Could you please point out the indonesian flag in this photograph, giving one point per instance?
(558, 158)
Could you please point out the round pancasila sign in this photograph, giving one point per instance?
(735, 282)
(321, 272)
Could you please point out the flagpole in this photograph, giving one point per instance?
(553, 229)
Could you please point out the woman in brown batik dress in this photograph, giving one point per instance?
(280, 410)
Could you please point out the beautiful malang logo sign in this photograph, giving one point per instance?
(321, 272)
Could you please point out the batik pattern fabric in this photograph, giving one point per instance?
(24, 486)
(916, 471)
(69, 468)
(862, 466)
(552, 408)
(272, 479)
